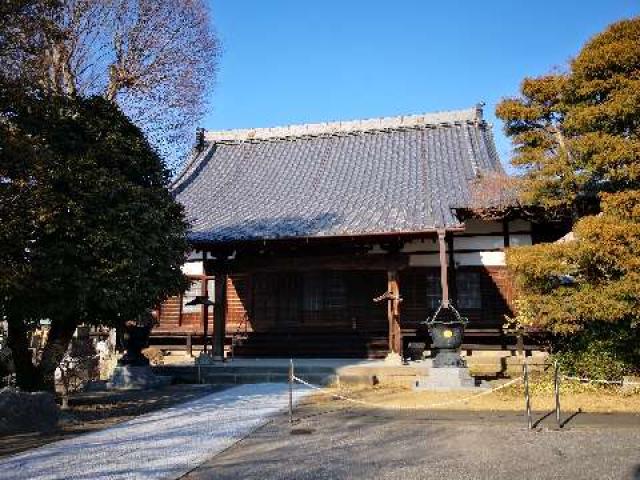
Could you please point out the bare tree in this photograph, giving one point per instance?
(25, 27)
(155, 59)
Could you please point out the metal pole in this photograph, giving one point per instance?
(199, 375)
(291, 391)
(556, 386)
(527, 399)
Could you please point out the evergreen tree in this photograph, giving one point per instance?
(577, 138)
(89, 232)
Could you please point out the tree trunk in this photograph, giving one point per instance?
(57, 343)
(18, 341)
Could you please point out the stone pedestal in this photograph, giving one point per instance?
(208, 359)
(133, 377)
(393, 358)
(451, 378)
(445, 359)
(133, 371)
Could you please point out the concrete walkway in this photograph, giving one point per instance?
(161, 445)
(346, 443)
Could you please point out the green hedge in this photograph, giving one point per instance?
(601, 351)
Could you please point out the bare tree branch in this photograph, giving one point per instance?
(156, 59)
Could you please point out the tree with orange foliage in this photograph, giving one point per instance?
(577, 144)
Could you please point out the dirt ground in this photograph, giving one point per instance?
(91, 411)
(572, 398)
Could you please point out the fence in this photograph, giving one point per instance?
(525, 378)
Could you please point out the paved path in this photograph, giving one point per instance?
(355, 443)
(161, 445)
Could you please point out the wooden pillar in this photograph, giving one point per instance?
(444, 279)
(453, 288)
(189, 345)
(219, 313)
(507, 243)
(505, 232)
(205, 310)
(393, 313)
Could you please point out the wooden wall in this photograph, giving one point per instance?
(322, 297)
(496, 295)
(326, 313)
(275, 301)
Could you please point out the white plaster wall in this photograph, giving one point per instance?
(424, 245)
(193, 255)
(421, 258)
(520, 239)
(478, 259)
(486, 259)
(482, 226)
(193, 268)
(478, 243)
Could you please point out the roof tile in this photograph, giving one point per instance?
(356, 181)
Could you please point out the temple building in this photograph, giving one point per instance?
(296, 230)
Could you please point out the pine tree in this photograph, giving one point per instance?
(577, 139)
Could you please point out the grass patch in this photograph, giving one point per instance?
(573, 396)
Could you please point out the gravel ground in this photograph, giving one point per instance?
(93, 411)
(338, 442)
(164, 444)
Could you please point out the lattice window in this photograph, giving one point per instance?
(312, 292)
(324, 291)
(335, 297)
(469, 290)
(433, 290)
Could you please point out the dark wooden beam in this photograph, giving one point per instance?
(219, 266)
(373, 261)
(444, 281)
(205, 310)
(393, 312)
(453, 289)
(219, 314)
(505, 232)
(305, 243)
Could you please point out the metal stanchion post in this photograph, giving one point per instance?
(199, 375)
(291, 391)
(527, 399)
(556, 387)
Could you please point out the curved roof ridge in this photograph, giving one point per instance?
(469, 115)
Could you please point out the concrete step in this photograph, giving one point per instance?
(243, 378)
(245, 374)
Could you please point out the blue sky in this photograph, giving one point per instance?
(286, 61)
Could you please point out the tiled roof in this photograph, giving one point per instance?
(380, 176)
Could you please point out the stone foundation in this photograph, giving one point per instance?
(131, 377)
(450, 378)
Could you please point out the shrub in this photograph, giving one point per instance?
(600, 351)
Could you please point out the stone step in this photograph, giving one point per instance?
(243, 378)
(250, 369)
(246, 374)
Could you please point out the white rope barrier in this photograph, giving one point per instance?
(407, 407)
(590, 380)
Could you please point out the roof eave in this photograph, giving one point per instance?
(327, 238)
